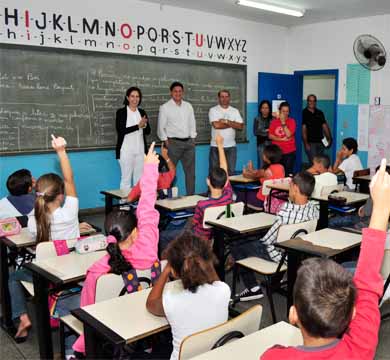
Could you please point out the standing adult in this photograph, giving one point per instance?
(314, 129)
(177, 128)
(132, 127)
(282, 133)
(226, 119)
(260, 129)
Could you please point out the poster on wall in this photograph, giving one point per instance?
(363, 118)
(378, 139)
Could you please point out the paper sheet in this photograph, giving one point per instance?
(358, 84)
(363, 117)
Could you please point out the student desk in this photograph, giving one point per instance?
(252, 346)
(179, 203)
(245, 184)
(352, 199)
(60, 271)
(276, 188)
(16, 243)
(325, 243)
(120, 320)
(241, 226)
(110, 195)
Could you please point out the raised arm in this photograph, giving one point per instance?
(368, 280)
(164, 154)
(147, 216)
(58, 145)
(221, 152)
(154, 303)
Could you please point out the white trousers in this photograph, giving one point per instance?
(131, 169)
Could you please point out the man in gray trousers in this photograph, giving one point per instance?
(177, 128)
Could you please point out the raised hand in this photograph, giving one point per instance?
(58, 143)
(151, 157)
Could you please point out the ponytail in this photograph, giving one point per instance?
(42, 220)
(195, 272)
(117, 261)
(48, 188)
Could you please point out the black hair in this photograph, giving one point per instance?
(119, 224)
(387, 168)
(313, 96)
(129, 91)
(273, 154)
(176, 83)
(322, 159)
(284, 104)
(223, 91)
(351, 144)
(305, 182)
(269, 106)
(19, 182)
(193, 261)
(324, 296)
(162, 165)
(218, 177)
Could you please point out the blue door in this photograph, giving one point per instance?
(289, 88)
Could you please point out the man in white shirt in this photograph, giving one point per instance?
(226, 119)
(322, 175)
(177, 128)
(347, 160)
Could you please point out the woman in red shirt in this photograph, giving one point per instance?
(282, 133)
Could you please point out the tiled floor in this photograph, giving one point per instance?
(29, 350)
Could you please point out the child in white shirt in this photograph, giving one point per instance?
(347, 160)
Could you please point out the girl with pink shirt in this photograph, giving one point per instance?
(133, 240)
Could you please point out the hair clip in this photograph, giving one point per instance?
(39, 193)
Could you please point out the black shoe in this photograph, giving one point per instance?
(248, 295)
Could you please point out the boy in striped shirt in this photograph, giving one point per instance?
(221, 192)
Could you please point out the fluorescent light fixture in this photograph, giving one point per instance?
(273, 8)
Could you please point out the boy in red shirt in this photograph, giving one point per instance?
(339, 316)
(166, 171)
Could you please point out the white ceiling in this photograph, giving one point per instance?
(316, 10)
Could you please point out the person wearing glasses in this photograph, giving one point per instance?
(315, 130)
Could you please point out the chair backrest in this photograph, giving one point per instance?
(327, 190)
(219, 212)
(290, 231)
(265, 190)
(362, 172)
(45, 250)
(109, 286)
(203, 341)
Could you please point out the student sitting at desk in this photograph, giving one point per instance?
(339, 316)
(166, 174)
(220, 190)
(272, 169)
(347, 160)
(20, 200)
(54, 219)
(298, 209)
(322, 175)
(132, 241)
(197, 302)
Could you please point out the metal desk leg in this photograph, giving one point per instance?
(323, 220)
(292, 269)
(219, 251)
(41, 291)
(6, 312)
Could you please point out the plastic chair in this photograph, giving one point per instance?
(272, 271)
(220, 212)
(206, 340)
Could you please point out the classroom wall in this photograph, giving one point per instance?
(329, 45)
(98, 170)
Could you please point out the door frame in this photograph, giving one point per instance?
(335, 72)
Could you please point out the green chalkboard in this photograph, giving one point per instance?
(75, 94)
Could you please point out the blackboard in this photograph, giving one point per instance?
(75, 94)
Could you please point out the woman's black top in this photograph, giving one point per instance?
(122, 130)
